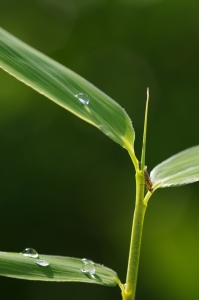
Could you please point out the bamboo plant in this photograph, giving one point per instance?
(81, 98)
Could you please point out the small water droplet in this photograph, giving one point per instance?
(105, 129)
(83, 98)
(30, 252)
(88, 266)
(42, 263)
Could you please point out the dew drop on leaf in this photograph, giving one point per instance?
(88, 266)
(105, 129)
(30, 252)
(42, 263)
(83, 98)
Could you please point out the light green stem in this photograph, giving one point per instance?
(129, 289)
(144, 134)
(136, 237)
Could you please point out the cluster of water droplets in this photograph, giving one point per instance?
(88, 267)
(83, 98)
(32, 253)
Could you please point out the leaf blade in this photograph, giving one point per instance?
(179, 169)
(60, 269)
(62, 86)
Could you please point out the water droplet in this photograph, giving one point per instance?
(83, 98)
(104, 129)
(42, 263)
(30, 252)
(88, 266)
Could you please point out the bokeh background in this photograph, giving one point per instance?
(65, 188)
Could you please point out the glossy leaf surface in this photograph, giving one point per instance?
(180, 169)
(59, 269)
(66, 88)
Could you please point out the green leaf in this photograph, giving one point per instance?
(63, 86)
(59, 269)
(180, 169)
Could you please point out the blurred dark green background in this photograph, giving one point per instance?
(65, 188)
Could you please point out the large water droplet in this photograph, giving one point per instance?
(42, 263)
(88, 266)
(30, 252)
(83, 98)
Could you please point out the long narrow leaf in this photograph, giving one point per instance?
(66, 88)
(180, 169)
(58, 269)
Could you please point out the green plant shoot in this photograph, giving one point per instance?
(81, 98)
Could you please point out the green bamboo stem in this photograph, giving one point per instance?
(136, 237)
(128, 293)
